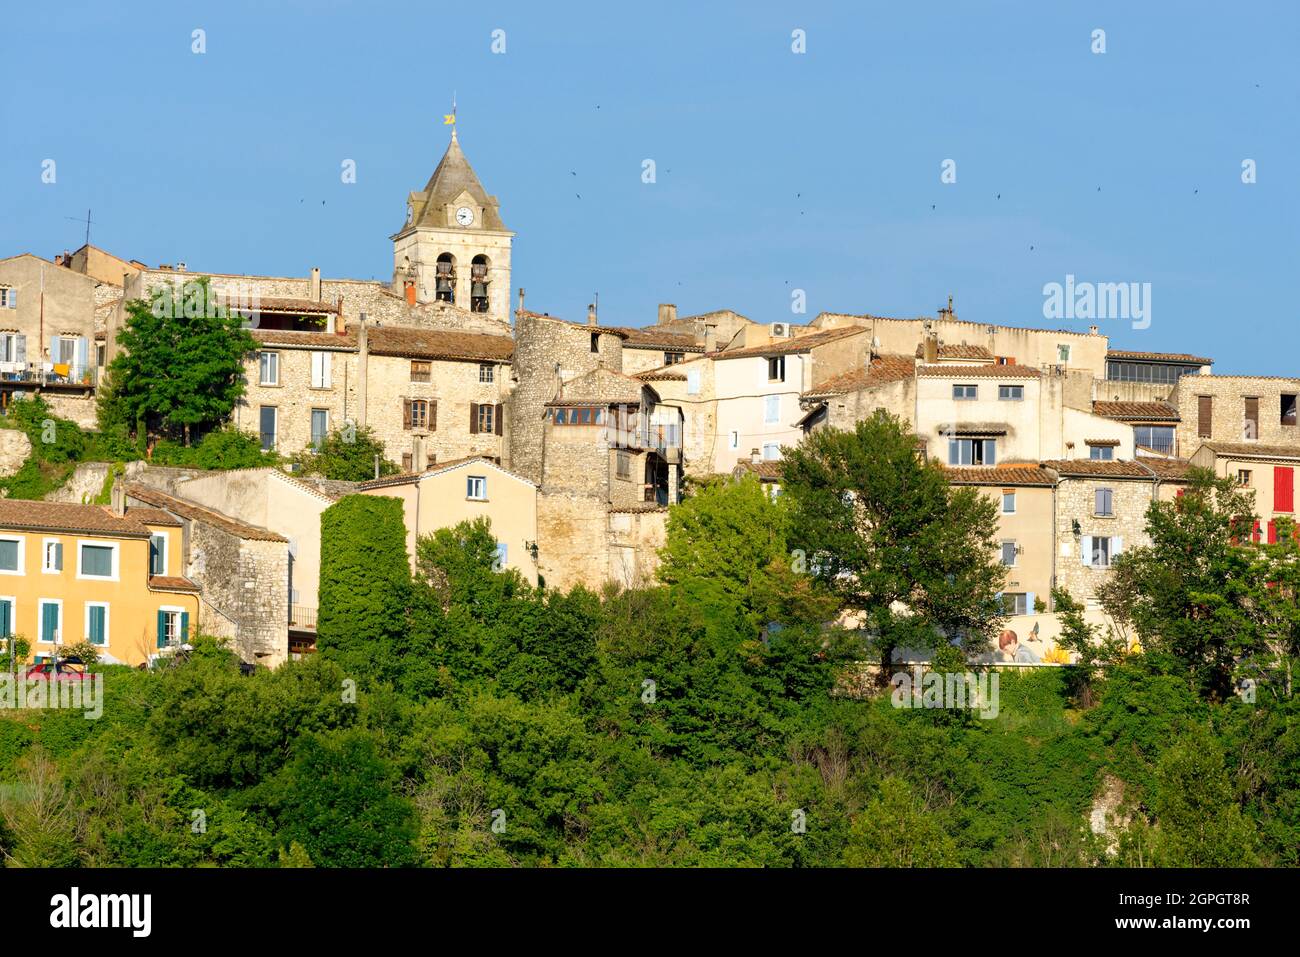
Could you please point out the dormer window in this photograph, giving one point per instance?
(478, 292)
(445, 278)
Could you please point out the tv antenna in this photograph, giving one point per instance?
(88, 222)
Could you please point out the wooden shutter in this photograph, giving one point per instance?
(1283, 489)
(1272, 532)
(1204, 416)
(433, 415)
(496, 419)
(185, 626)
(162, 629)
(1252, 418)
(406, 413)
(473, 418)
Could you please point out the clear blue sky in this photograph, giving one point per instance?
(775, 170)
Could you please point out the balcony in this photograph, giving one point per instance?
(59, 375)
(302, 618)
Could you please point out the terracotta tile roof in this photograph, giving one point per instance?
(200, 513)
(781, 347)
(414, 343)
(73, 517)
(1243, 449)
(1009, 474)
(408, 478)
(638, 508)
(153, 516)
(991, 371)
(649, 337)
(663, 374)
(1166, 469)
(611, 330)
(295, 306)
(961, 351)
(1102, 442)
(600, 386)
(305, 340)
(882, 369)
(766, 470)
(172, 583)
(1158, 356)
(1100, 468)
(1145, 411)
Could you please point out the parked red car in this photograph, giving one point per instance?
(64, 669)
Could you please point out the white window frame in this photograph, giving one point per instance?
(113, 547)
(1105, 453)
(107, 618)
(13, 615)
(771, 409)
(7, 301)
(470, 487)
(45, 556)
(321, 371)
(774, 448)
(693, 382)
(1013, 393)
(1012, 509)
(776, 364)
(40, 621)
(963, 397)
(166, 547)
(261, 369)
(487, 373)
(178, 611)
(1002, 552)
(22, 554)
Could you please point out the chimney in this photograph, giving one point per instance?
(931, 352)
(117, 498)
(363, 357)
(521, 298)
(710, 338)
(667, 313)
(315, 283)
(58, 260)
(180, 267)
(409, 288)
(755, 456)
(1092, 330)
(591, 314)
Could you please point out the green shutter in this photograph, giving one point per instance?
(6, 619)
(97, 615)
(162, 629)
(185, 626)
(49, 621)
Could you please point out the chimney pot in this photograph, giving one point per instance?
(591, 315)
(1092, 330)
(409, 288)
(667, 313)
(315, 283)
(117, 498)
(755, 456)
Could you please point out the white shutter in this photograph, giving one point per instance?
(693, 381)
(326, 370)
(1029, 603)
(320, 370)
(1116, 546)
(1086, 550)
(20, 348)
(13, 298)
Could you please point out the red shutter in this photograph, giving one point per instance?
(1254, 532)
(1283, 489)
(473, 418)
(496, 418)
(406, 413)
(1272, 532)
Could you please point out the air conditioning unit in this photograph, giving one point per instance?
(780, 330)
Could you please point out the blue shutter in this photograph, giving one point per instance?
(6, 619)
(1029, 603)
(162, 629)
(13, 298)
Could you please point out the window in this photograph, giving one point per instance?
(487, 372)
(733, 439)
(320, 420)
(269, 365)
(1158, 438)
(595, 342)
(8, 297)
(99, 354)
(421, 370)
(1009, 554)
(1063, 353)
(1101, 453)
(51, 556)
(476, 487)
(321, 377)
(1008, 503)
(1015, 602)
(1099, 550)
(1288, 408)
(173, 627)
(11, 556)
(577, 416)
(1011, 393)
(772, 409)
(408, 461)
(776, 369)
(971, 452)
(963, 392)
(1204, 416)
(268, 417)
(97, 561)
(771, 451)
(6, 617)
(51, 620)
(444, 289)
(623, 466)
(1250, 425)
(487, 418)
(672, 358)
(65, 350)
(503, 552)
(1125, 371)
(158, 553)
(478, 284)
(97, 622)
(1103, 502)
(415, 414)
(1243, 478)
(13, 347)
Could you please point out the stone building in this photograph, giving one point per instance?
(1237, 409)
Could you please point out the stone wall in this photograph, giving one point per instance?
(635, 538)
(247, 581)
(1228, 415)
(1075, 500)
(87, 479)
(294, 398)
(573, 540)
(15, 447)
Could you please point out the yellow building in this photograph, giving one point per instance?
(109, 575)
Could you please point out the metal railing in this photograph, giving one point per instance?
(302, 617)
(49, 373)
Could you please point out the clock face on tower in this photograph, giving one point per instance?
(465, 216)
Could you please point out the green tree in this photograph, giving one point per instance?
(222, 448)
(180, 366)
(365, 581)
(1198, 822)
(882, 529)
(1091, 648)
(347, 455)
(896, 830)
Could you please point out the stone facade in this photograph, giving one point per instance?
(1125, 528)
(1228, 395)
(246, 581)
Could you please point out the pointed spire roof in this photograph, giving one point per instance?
(453, 177)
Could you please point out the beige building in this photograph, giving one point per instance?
(1237, 409)
(466, 490)
(1267, 472)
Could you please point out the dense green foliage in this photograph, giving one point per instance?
(348, 455)
(458, 716)
(223, 448)
(58, 445)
